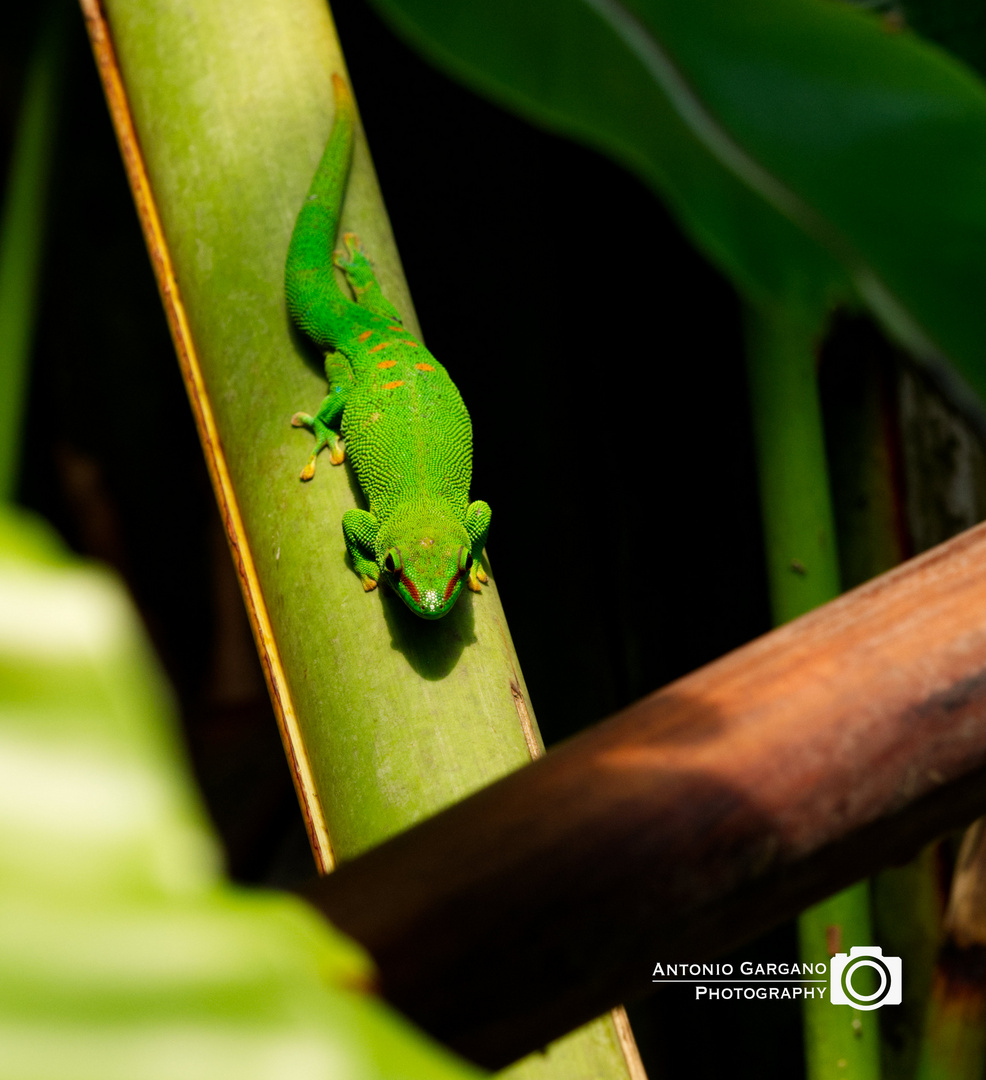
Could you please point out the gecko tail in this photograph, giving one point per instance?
(315, 301)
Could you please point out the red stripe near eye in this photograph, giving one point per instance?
(411, 587)
(450, 589)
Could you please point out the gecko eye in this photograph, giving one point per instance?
(393, 561)
(465, 560)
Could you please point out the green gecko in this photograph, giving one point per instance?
(406, 430)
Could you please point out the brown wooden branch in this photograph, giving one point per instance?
(690, 822)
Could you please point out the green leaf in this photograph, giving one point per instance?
(811, 151)
(22, 232)
(124, 952)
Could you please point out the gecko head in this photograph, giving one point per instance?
(428, 573)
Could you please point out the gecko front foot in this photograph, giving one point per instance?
(360, 528)
(477, 578)
(324, 437)
(478, 515)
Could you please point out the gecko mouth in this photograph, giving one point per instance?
(429, 603)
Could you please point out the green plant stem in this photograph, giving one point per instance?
(803, 572)
(859, 381)
(907, 910)
(798, 522)
(22, 230)
(953, 1045)
(395, 717)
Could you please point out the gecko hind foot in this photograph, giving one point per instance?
(354, 258)
(356, 265)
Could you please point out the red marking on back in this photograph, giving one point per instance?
(364, 335)
(424, 367)
(450, 589)
(411, 587)
(393, 385)
(399, 329)
(382, 345)
(386, 363)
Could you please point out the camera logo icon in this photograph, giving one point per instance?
(863, 959)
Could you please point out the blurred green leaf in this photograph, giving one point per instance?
(812, 150)
(124, 952)
(22, 231)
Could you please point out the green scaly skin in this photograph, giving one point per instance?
(406, 430)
